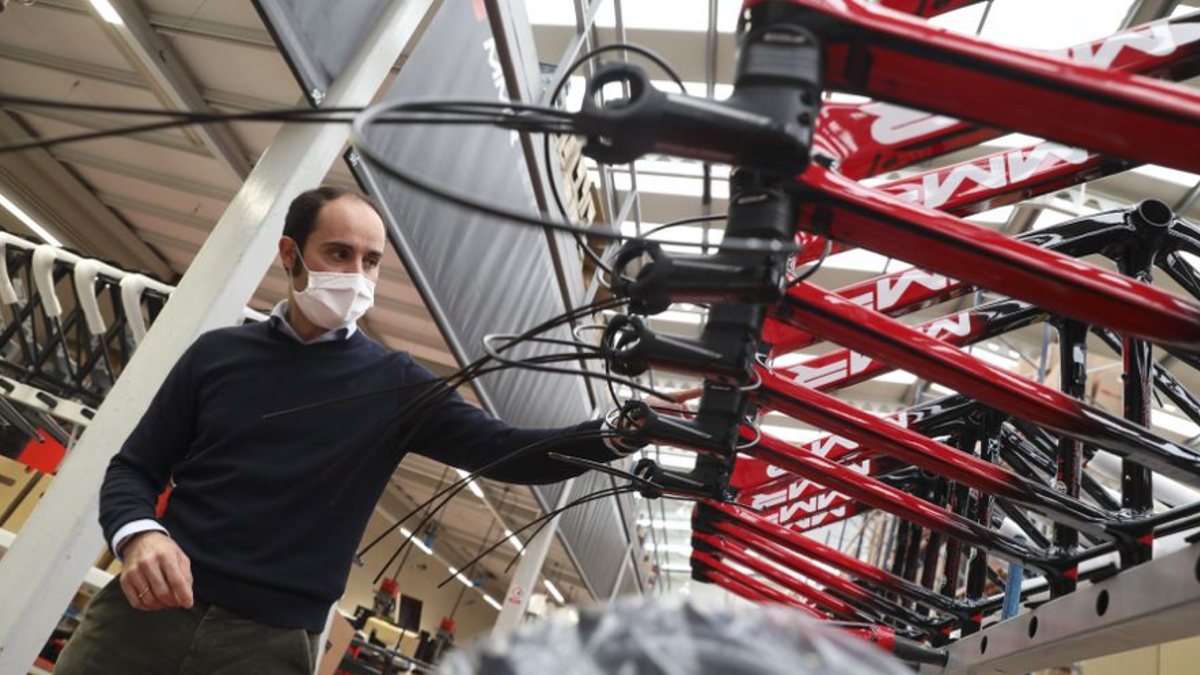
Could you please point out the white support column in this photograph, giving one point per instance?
(524, 581)
(44, 567)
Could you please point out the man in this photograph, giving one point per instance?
(266, 511)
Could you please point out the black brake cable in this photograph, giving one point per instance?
(542, 521)
(447, 494)
(557, 90)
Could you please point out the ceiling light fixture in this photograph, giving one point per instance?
(514, 541)
(28, 221)
(415, 540)
(107, 12)
(472, 486)
(558, 597)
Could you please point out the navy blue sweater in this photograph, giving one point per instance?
(258, 504)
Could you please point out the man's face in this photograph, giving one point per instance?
(347, 236)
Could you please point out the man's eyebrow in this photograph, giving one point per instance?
(338, 243)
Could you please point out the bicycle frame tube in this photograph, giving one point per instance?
(1164, 381)
(906, 291)
(794, 499)
(913, 289)
(736, 545)
(897, 502)
(846, 211)
(750, 550)
(815, 596)
(722, 573)
(869, 138)
(889, 56)
(928, 8)
(878, 336)
(843, 367)
(943, 416)
(989, 182)
(737, 521)
(909, 446)
(786, 498)
(1003, 178)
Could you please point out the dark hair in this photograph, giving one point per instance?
(304, 209)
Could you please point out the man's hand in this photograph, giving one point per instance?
(156, 573)
(675, 406)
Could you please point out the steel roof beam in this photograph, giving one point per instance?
(156, 178)
(172, 24)
(1143, 11)
(101, 73)
(169, 79)
(75, 213)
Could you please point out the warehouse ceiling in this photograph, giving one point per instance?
(147, 200)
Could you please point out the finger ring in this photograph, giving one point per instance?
(143, 593)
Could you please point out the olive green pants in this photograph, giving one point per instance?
(204, 640)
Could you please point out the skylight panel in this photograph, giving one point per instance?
(677, 15)
(1174, 423)
(1191, 259)
(791, 434)
(686, 233)
(577, 86)
(669, 185)
(1169, 175)
(1037, 24)
(1013, 141)
(678, 525)
(861, 260)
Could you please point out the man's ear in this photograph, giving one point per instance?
(287, 253)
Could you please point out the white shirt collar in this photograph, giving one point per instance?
(279, 320)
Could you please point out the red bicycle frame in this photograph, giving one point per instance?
(1118, 118)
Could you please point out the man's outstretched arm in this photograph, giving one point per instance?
(459, 434)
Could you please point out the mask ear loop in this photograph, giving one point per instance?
(288, 270)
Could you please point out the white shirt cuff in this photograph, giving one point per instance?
(134, 527)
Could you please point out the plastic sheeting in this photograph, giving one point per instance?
(653, 637)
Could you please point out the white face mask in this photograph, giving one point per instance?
(334, 300)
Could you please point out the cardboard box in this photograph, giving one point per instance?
(16, 519)
(16, 480)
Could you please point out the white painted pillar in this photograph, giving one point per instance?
(524, 581)
(44, 567)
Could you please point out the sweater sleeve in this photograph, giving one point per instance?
(457, 433)
(138, 474)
